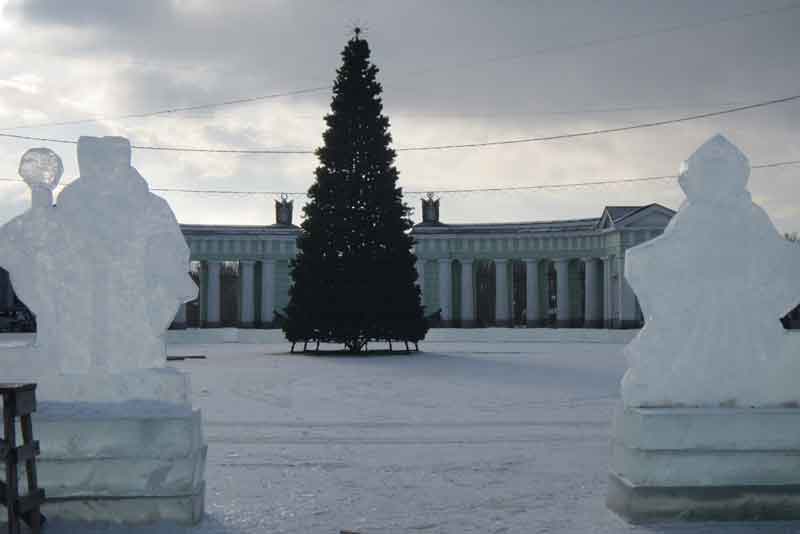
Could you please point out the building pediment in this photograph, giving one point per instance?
(606, 222)
(652, 216)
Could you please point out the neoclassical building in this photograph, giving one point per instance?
(566, 273)
(559, 273)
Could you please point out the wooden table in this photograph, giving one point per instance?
(19, 401)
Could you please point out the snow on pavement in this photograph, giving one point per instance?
(484, 431)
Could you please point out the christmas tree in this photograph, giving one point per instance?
(354, 275)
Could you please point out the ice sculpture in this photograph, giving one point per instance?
(105, 270)
(712, 289)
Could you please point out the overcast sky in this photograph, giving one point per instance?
(452, 72)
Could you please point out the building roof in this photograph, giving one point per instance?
(616, 213)
(569, 225)
(210, 229)
(620, 212)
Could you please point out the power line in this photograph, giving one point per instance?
(496, 189)
(273, 151)
(423, 192)
(605, 130)
(538, 187)
(169, 111)
(545, 50)
(579, 111)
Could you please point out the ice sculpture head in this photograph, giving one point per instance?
(103, 157)
(41, 168)
(716, 171)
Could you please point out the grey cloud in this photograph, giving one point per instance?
(92, 14)
(447, 77)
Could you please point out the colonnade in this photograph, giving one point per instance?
(606, 298)
(210, 294)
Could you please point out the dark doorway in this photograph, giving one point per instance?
(229, 298)
(484, 292)
(518, 293)
(551, 294)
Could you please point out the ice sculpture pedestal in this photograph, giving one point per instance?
(128, 462)
(713, 464)
(122, 448)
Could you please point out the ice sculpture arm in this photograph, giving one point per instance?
(782, 282)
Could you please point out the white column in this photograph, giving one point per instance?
(213, 302)
(533, 315)
(502, 313)
(607, 318)
(562, 292)
(247, 309)
(467, 294)
(445, 290)
(591, 314)
(421, 279)
(267, 291)
(627, 299)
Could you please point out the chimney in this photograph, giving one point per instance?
(430, 210)
(283, 211)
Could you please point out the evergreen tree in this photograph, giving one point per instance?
(354, 274)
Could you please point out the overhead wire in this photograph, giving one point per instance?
(571, 135)
(494, 59)
(173, 110)
(638, 126)
(588, 183)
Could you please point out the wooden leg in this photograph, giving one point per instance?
(10, 435)
(34, 518)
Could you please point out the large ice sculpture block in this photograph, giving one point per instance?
(709, 428)
(132, 462)
(125, 462)
(705, 464)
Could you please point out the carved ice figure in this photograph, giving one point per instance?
(712, 289)
(105, 270)
(25, 240)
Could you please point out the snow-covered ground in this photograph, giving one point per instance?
(485, 431)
